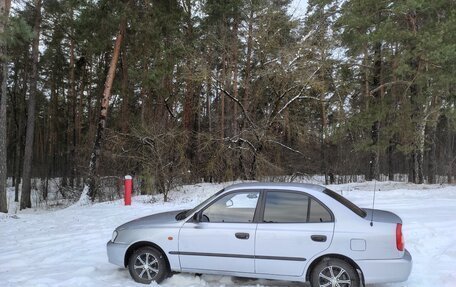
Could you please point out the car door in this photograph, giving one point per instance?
(293, 228)
(224, 239)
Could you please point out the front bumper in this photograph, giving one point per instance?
(116, 253)
(386, 271)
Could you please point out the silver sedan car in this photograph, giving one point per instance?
(283, 231)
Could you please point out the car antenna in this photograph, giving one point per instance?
(373, 204)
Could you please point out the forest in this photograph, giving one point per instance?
(177, 92)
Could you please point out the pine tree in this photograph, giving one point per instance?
(4, 14)
(29, 139)
(97, 146)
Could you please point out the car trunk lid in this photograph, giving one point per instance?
(377, 215)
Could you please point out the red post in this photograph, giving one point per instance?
(128, 187)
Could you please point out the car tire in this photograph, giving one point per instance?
(147, 264)
(337, 270)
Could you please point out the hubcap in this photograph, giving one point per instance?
(146, 266)
(334, 276)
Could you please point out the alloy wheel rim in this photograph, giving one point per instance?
(146, 266)
(334, 276)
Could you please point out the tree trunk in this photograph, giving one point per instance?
(374, 171)
(4, 11)
(72, 126)
(125, 110)
(394, 95)
(366, 77)
(235, 75)
(222, 115)
(418, 155)
(323, 132)
(411, 167)
(209, 92)
(191, 101)
(248, 63)
(449, 151)
(97, 146)
(143, 94)
(189, 87)
(19, 111)
(29, 136)
(366, 94)
(324, 168)
(432, 159)
(125, 92)
(78, 123)
(418, 113)
(420, 158)
(390, 152)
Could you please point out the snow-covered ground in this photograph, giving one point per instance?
(67, 247)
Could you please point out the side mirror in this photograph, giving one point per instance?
(197, 217)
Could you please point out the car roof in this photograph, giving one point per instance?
(276, 185)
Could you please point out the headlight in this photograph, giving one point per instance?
(114, 235)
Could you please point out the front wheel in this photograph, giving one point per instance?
(147, 264)
(334, 272)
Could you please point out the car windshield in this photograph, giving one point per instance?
(347, 203)
(199, 206)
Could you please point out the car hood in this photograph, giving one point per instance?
(151, 220)
(382, 216)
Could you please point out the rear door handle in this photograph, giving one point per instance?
(318, 238)
(242, 235)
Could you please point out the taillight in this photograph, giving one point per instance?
(399, 237)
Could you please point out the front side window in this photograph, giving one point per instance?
(199, 206)
(236, 207)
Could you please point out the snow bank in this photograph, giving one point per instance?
(67, 247)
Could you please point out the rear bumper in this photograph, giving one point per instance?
(386, 271)
(116, 253)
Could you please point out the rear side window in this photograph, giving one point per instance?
(285, 207)
(293, 207)
(347, 203)
(318, 213)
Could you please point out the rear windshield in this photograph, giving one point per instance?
(347, 203)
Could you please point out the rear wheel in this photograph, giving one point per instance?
(147, 264)
(334, 272)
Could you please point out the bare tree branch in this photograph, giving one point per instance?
(277, 101)
(371, 92)
(249, 143)
(295, 97)
(169, 108)
(286, 147)
(312, 98)
(237, 102)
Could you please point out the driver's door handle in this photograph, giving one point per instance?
(318, 238)
(242, 235)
